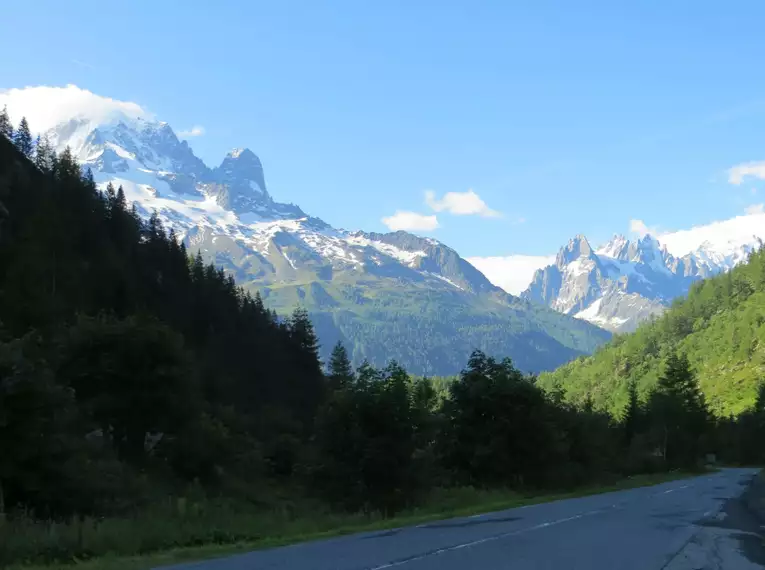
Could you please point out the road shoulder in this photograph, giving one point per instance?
(730, 538)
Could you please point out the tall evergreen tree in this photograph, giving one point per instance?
(45, 156)
(122, 201)
(67, 168)
(631, 416)
(111, 195)
(22, 138)
(678, 413)
(340, 369)
(306, 365)
(6, 127)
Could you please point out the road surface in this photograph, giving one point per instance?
(688, 524)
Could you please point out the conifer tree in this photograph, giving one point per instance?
(678, 412)
(121, 203)
(67, 167)
(88, 179)
(258, 302)
(6, 127)
(631, 415)
(340, 369)
(23, 138)
(302, 331)
(44, 154)
(111, 195)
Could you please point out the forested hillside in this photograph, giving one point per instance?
(113, 338)
(148, 403)
(720, 326)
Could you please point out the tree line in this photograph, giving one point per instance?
(129, 370)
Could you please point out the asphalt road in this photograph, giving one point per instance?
(682, 525)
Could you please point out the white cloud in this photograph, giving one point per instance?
(755, 209)
(513, 273)
(46, 107)
(410, 221)
(460, 204)
(84, 64)
(738, 173)
(640, 228)
(195, 131)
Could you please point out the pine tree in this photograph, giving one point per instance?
(111, 195)
(6, 127)
(44, 155)
(258, 302)
(23, 138)
(631, 416)
(340, 369)
(88, 179)
(67, 167)
(678, 413)
(302, 331)
(122, 201)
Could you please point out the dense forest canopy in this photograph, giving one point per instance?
(131, 372)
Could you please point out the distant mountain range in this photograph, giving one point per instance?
(393, 295)
(622, 283)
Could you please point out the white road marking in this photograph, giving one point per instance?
(480, 541)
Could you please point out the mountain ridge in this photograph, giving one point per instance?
(391, 295)
(625, 282)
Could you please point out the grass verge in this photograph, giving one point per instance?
(270, 529)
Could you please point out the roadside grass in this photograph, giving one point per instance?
(179, 532)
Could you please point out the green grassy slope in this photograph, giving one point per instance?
(391, 311)
(720, 326)
(432, 331)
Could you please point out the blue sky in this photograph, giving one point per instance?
(562, 117)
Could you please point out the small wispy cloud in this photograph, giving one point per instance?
(640, 228)
(195, 131)
(460, 204)
(755, 209)
(85, 64)
(410, 221)
(740, 172)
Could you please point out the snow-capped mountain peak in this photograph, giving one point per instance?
(578, 247)
(237, 152)
(228, 213)
(615, 248)
(242, 173)
(625, 282)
